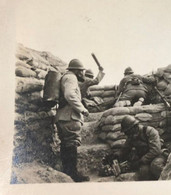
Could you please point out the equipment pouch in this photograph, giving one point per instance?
(135, 81)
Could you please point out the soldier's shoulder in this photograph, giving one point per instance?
(151, 130)
(69, 75)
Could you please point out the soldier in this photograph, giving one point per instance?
(142, 149)
(90, 81)
(69, 119)
(131, 89)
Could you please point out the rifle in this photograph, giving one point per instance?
(163, 98)
(96, 60)
(121, 92)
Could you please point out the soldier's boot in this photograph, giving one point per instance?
(69, 162)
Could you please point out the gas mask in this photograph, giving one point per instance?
(80, 75)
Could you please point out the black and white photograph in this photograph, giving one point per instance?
(91, 96)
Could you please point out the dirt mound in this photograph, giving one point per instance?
(37, 173)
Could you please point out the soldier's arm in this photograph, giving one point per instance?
(122, 85)
(97, 80)
(154, 145)
(70, 87)
(124, 152)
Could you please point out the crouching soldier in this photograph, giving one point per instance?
(69, 119)
(90, 81)
(131, 90)
(142, 150)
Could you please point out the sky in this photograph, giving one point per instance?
(121, 33)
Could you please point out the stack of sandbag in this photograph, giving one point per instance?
(106, 95)
(33, 133)
(153, 115)
(164, 81)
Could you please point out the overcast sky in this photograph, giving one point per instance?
(121, 33)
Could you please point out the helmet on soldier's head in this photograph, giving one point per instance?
(128, 71)
(89, 73)
(128, 122)
(75, 64)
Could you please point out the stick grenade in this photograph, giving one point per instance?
(96, 60)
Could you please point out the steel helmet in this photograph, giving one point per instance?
(128, 71)
(75, 64)
(128, 122)
(89, 72)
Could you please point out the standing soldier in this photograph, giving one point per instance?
(69, 119)
(142, 149)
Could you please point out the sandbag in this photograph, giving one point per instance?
(135, 110)
(168, 69)
(153, 108)
(113, 128)
(41, 74)
(52, 68)
(97, 87)
(23, 54)
(166, 114)
(20, 99)
(38, 58)
(96, 93)
(112, 120)
(162, 85)
(144, 117)
(167, 76)
(115, 136)
(36, 64)
(122, 103)
(117, 111)
(167, 91)
(151, 123)
(54, 61)
(109, 93)
(24, 72)
(23, 64)
(160, 72)
(28, 85)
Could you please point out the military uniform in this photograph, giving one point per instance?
(87, 100)
(69, 119)
(69, 115)
(132, 88)
(147, 157)
(90, 82)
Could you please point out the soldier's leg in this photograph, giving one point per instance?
(70, 140)
(133, 95)
(157, 166)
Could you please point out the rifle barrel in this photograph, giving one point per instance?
(164, 100)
